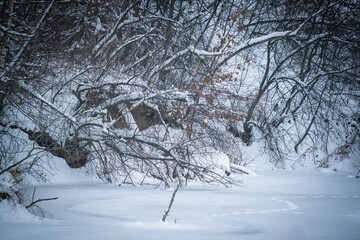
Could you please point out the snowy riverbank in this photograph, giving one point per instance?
(279, 204)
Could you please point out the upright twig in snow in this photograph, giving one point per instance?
(171, 203)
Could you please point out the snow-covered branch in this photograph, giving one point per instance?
(119, 24)
(190, 49)
(18, 55)
(256, 41)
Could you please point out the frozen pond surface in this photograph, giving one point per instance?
(273, 205)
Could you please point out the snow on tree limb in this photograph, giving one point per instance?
(16, 58)
(256, 41)
(271, 36)
(42, 99)
(190, 49)
(12, 32)
(111, 35)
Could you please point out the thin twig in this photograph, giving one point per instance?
(40, 200)
(171, 203)
(19, 162)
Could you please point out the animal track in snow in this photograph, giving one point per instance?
(318, 196)
(290, 206)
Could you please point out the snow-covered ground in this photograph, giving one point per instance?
(280, 204)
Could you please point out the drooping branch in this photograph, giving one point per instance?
(311, 122)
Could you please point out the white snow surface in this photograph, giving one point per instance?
(278, 204)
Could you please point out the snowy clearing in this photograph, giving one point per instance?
(279, 204)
